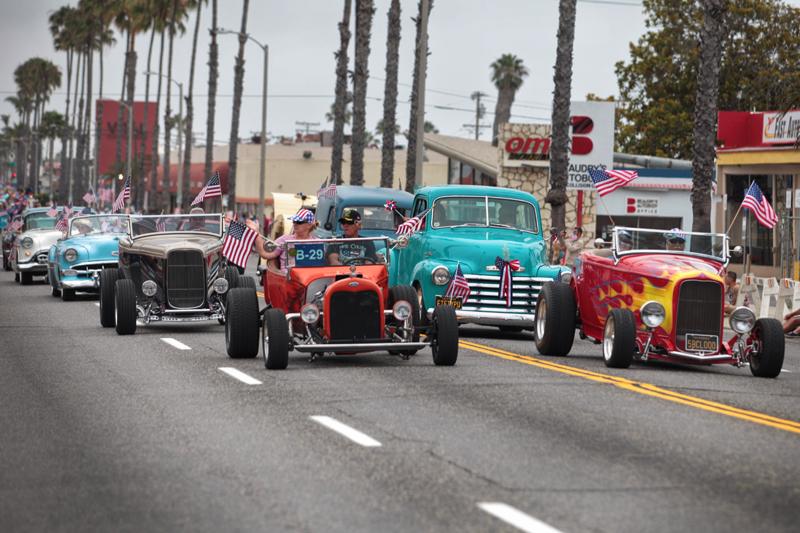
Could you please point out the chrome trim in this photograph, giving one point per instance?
(696, 357)
(358, 348)
(186, 311)
(31, 266)
(198, 318)
(493, 319)
(81, 284)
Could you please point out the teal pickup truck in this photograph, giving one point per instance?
(487, 231)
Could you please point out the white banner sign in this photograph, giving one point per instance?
(592, 141)
(780, 128)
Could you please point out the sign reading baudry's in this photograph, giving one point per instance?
(591, 144)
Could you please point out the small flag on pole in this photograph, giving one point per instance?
(459, 286)
(89, 197)
(327, 192)
(413, 224)
(52, 212)
(608, 181)
(123, 196)
(390, 205)
(63, 220)
(755, 201)
(238, 241)
(212, 189)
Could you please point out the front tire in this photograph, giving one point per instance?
(125, 306)
(241, 323)
(67, 295)
(768, 361)
(247, 282)
(108, 281)
(555, 319)
(55, 292)
(275, 339)
(25, 278)
(619, 339)
(444, 341)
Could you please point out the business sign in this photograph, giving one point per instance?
(641, 206)
(780, 128)
(112, 128)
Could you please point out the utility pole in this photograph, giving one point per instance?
(423, 68)
(306, 125)
(179, 191)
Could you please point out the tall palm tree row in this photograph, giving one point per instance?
(213, 76)
(340, 104)
(61, 22)
(365, 9)
(411, 153)
(508, 74)
(50, 128)
(23, 105)
(238, 88)
(187, 151)
(162, 9)
(389, 122)
(557, 195)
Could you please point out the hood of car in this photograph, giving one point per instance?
(42, 238)
(161, 244)
(477, 248)
(668, 266)
(305, 276)
(103, 247)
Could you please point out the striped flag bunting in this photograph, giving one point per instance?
(608, 181)
(757, 203)
(123, 196)
(413, 224)
(459, 286)
(212, 189)
(238, 241)
(506, 282)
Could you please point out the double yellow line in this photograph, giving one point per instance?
(640, 388)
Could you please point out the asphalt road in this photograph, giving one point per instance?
(139, 433)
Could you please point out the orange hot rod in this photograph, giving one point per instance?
(656, 295)
(334, 297)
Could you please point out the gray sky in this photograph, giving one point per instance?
(465, 37)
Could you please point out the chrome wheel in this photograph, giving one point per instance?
(608, 338)
(541, 317)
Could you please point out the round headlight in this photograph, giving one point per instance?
(309, 313)
(149, 288)
(220, 285)
(27, 242)
(653, 314)
(742, 320)
(70, 255)
(401, 310)
(565, 277)
(440, 275)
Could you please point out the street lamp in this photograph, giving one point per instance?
(179, 196)
(263, 163)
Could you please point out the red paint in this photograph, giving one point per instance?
(109, 127)
(742, 129)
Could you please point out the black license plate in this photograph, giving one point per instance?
(454, 302)
(702, 343)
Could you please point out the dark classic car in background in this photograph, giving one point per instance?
(170, 269)
(656, 296)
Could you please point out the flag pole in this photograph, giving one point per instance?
(738, 210)
(608, 213)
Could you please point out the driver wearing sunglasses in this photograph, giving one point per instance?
(340, 254)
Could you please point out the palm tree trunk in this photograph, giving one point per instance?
(705, 112)
(557, 195)
(502, 111)
(213, 75)
(64, 179)
(77, 184)
(98, 129)
(167, 200)
(130, 66)
(411, 153)
(390, 95)
(154, 155)
(87, 122)
(237, 104)
(340, 105)
(364, 11)
(120, 110)
(146, 190)
(187, 150)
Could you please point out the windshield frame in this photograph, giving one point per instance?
(619, 254)
(486, 198)
(361, 207)
(285, 245)
(99, 215)
(133, 218)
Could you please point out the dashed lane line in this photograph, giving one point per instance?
(175, 343)
(343, 429)
(516, 518)
(97, 304)
(241, 376)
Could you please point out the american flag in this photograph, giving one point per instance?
(327, 192)
(608, 181)
(123, 196)
(506, 282)
(52, 212)
(161, 224)
(211, 190)
(238, 242)
(459, 286)
(413, 224)
(89, 198)
(15, 225)
(63, 220)
(755, 201)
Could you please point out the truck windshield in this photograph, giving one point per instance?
(457, 211)
(377, 217)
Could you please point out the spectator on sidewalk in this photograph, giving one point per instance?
(791, 323)
(731, 292)
(573, 246)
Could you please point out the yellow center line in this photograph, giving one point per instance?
(638, 387)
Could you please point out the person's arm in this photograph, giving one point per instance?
(792, 314)
(259, 243)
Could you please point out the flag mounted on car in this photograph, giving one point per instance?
(238, 241)
(756, 202)
(212, 189)
(413, 224)
(459, 286)
(123, 196)
(608, 181)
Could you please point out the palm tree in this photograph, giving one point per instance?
(52, 125)
(330, 116)
(238, 87)
(61, 28)
(364, 11)
(162, 10)
(705, 112)
(23, 105)
(213, 76)
(508, 73)
(411, 152)
(557, 195)
(340, 105)
(187, 151)
(389, 125)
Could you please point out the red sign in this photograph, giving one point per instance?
(538, 148)
(112, 127)
(742, 129)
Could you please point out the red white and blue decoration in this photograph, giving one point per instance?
(238, 241)
(304, 215)
(390, 205)
(757, 203)
(327, 192)
(608, 181)
(506, 282)
(123, 196)
(413, 224)
(212, 189)
(459, 286)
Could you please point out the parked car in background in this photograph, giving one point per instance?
(91, 245)
(657, 295)
(376, 220)
(481, 229)
(29, 247)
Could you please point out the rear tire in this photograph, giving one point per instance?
(247, 282)
(275, 339)
(25, 278)
(444, 341)
(241, 323)
(67, 295)
(555, 319)
(619, 338)
(409, 294)
(108, 281)
(125, 306)
(768, 362)
(55, 292)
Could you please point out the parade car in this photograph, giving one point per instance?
(334, 297)
(29, 248)
(656, 295)
(9, 236)
(376, 220)
(91, 245)
(491, 233)
(170, 269)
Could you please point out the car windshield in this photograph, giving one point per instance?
(378, 217)
(95, 225)
(334, 252)
(484, 211)
(148, 224)
(39, 221)
(634, 240)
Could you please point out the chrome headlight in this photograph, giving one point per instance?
(401, 310)
(220, 285)
(653, 314)
(440, 275)
(565, 277)
(27, 242)
(309, 313)
(70, 255)
(742, 320)
(149, 288)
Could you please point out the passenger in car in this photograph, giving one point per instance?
(303, 224)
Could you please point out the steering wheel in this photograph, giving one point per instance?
(365, 259)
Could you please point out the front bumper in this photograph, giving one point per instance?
(81, 283)
(360, 348)
(32, 266)
(522, 320)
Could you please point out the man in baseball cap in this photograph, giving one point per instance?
(351, 223)
(339, 254)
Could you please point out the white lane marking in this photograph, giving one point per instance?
(97, 304)
(516, 518)
(346, 431)
(177, 344)
(241, 376)
(786, 370)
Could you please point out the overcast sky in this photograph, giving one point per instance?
(466, 36)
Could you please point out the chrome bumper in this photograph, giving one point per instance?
(704, 358)
(523, 320)
(360, 348)
(85, 284)
(32, 266)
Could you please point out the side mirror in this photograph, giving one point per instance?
(600, 243)
(400, 243)
(737, 251)
(269, 245)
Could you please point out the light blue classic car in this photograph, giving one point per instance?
(376, 220)
(486, 231)
(92, 244)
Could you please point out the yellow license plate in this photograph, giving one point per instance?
(702, 343)
(454, 302)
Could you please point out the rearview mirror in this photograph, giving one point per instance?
(737, 251)
(600, 243)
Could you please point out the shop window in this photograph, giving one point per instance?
(757, 240)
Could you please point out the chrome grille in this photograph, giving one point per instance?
(485, 294)
(355, 316)
(42, 258)
(186, 279)
(699, 309)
